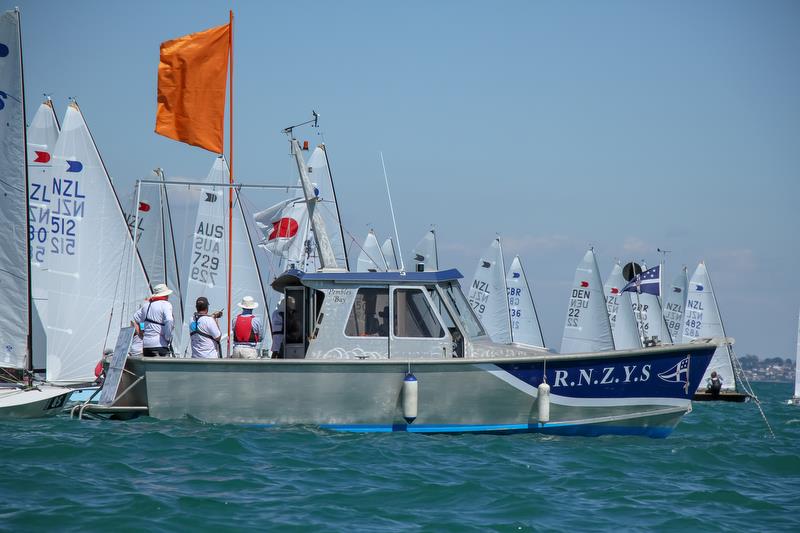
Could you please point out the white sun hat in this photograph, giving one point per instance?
(248, 303)
(161, 290)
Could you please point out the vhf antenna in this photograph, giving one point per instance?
(314, 121)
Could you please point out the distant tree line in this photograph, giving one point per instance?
(752, 362)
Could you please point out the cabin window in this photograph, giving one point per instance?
(370, 314)
(413, 316)
(462, 307)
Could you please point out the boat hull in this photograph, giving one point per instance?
(723, 396)
(634, 392)
(37, 402)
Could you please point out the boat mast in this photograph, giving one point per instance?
(391, 208)
(230, 179)
(29, 340)
(505, 287)
(335, 200)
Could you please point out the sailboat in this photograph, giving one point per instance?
(587, 327)
(42, 136)
(702, 319)
(675, 305)
(370, 258)
(795, 400)
(624, 330)
(488, 296)
(647, 309)
(525, 326)
(390, 254)
(207, 270)
(319, 171)
(19, 397)
(149, 209)
(426, 253)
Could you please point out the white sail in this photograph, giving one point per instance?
(208, 268)
(370, 258)
(42, 136)
(93, 293)
(14, 280)
(702, 319)
(620, 312)
(587, 328)
(155, 241)
(246, 278)
(327, 205)
(525, 327)
(675, 304)
(389, 254)
(797, 363)
(647, 310)
(426, 254)
(488, 295)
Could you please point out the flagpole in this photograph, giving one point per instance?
(231, 180)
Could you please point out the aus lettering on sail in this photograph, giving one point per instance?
(207, 253)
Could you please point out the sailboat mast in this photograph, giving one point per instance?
(505, 287)
(230, 175)
(29, 340)
(391, 208)
(336, 204)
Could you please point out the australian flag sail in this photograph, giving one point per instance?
(648, 282)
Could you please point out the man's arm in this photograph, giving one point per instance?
(169, 322)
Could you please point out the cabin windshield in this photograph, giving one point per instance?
(471, 324)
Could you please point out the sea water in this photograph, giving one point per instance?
(720, 470)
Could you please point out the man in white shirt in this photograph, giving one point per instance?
(247, 331)
(156, 323)
(204, 331)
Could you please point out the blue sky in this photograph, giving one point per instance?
(625, 125)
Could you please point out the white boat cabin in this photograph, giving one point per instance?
(376, 315)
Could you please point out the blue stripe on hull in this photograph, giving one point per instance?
(586, 430)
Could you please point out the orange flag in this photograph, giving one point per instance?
(192, 78)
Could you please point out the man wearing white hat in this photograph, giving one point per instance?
(156, 322)
(247, 330)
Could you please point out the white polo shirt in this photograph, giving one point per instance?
(202, 346)
(159, 323)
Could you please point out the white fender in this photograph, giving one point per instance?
(410, 397)
(544, 403)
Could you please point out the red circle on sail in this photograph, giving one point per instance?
(284, 228)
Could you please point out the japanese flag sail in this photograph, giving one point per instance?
(425, 253)
(702, 319)
(284, 228)
(487, 294)
(620, 313)
(587, 328)
(42, 136)
(14, 283)
(94, 291)
(525, 327)
(387, 248)
(675, 304)
(370, 258)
